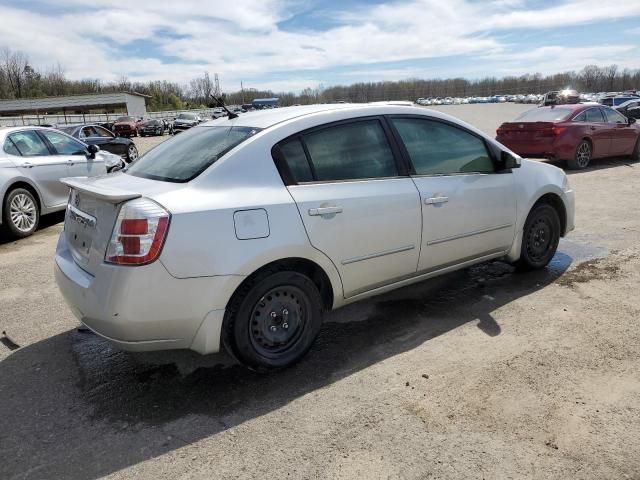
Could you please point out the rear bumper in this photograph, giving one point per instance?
(144, 308)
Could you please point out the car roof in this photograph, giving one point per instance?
(269, 117)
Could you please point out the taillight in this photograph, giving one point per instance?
(558, 130)
(139, 233)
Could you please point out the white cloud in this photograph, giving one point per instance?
(241, 39)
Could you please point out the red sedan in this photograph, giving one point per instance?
(575, 133)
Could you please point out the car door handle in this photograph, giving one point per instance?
(70, 162)
(435, 200)
(27, 165)
(314, 212)
(592, 127)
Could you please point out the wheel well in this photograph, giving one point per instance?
(304, 266)
(26, 186)
(556, 202)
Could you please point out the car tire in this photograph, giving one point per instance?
(21, 213)
(582, 157)
(540, 238)
(132, 153)
(635, 156)
(273, 319)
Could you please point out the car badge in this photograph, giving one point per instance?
(521, 126)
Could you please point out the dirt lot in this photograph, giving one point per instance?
(481, 374)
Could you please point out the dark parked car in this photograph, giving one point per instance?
(155, 126)
(617, 100)
(127, 126)
(630, 108)
(575, 133)
(184, 121)
(106, 140)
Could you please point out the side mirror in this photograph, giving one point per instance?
(631, 120)
(93, 149)
(509, 161)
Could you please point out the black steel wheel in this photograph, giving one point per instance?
(540, 237)
(273, 319)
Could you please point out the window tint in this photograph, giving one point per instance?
(296, 159)
(351, 151)
(10, 147)
(29, 144)
(64, 145)
(438, 148)
(613, 116)
(103, 132)
(594, 115)
(189, 154)
(581, 117)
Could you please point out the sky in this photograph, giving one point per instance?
(288, 45)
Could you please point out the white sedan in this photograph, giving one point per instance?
(243, 231)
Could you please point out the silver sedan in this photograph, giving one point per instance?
(32, 162)
(242, 231)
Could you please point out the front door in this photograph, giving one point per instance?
(75, 154)
(468, 209)
(38, 163)
(355, 206)
(623, 135)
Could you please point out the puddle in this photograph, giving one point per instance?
(571, 252)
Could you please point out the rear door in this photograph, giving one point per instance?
(38, 163)
(623, 136)
(468, 209)
(356, 206)
(74, 153)
(599, 131)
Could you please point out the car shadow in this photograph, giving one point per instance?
(600, 164)
(74, 407)
(45, 224)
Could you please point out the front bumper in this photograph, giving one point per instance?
(144, 308)
(181, 127)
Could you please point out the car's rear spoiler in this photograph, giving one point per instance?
(111, 195)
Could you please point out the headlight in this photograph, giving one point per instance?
(565, 184)
(111, 161)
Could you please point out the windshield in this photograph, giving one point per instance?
(187, 116)
(545, 115)
(188, 155)
(125, 119)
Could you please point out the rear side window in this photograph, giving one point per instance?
(29, 144)
(594, 115)
(613, 116)
(10, 147)
(296, 159)
(436, 148)
(581, 117)
(188, 155)
(351, 151)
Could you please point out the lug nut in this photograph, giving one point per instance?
(273, 328)
(285, 325)
(274, 314)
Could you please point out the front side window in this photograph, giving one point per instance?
(29, 144)
(351, 151)
(64, 145)
(594, 115)
(613, 117)
(188, 155)
(89, 132)
(102, 132)
(436, 148)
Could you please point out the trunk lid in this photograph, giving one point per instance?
(92, 211)
(528, 137)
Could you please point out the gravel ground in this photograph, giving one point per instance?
(483, 373)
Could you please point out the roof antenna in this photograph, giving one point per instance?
(220, 102)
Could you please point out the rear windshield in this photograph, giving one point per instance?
(545, 114)
(68, 130)
(187, 155)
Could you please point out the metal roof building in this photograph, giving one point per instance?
(125, 102)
